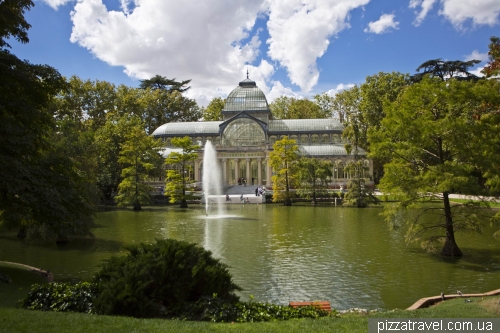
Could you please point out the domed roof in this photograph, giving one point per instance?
(246, 97)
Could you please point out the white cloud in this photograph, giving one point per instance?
(299, 33)
(458, 12)
(426, 6)
(183, 39)
(481, 12)
(56, 3)
(477, 71)
(383, 25)
(339, 88)
(475, 55)
(209, 42)
(279, 90)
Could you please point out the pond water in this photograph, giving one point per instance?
(279, 254)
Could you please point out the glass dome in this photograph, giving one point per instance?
(246, 97)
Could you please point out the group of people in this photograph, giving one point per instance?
(243, 181)
(260, 191)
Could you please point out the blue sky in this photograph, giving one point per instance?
(290, 47)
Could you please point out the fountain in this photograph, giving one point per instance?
(212, 183)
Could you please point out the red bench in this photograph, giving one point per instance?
(323, 305)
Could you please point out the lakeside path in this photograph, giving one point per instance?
(461, 196)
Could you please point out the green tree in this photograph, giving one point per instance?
(363, 109)
(283, 159)
(329, 107)
(88, 101)
(159, 82)
(492, 69)
(13, 24)
(446, 70)
(139, 156)
(178, 166)
(162, 107)
(314, 174)
(437, 144)
(109, 140)
(285, 107)
(359, 194)
(213, 111)
(40, 187)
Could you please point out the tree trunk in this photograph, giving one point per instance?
(288, 202)
(137, 205)
(184, 203)
(62, 239)
(450, 248)
(22, 233)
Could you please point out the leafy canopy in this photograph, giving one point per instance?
(436, 145)
(283, 159)
(178, 166)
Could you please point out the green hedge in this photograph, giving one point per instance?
(61, 297)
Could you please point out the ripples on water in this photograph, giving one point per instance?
(280, 254)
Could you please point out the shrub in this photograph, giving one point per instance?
(216, 310)
(162, 279)
(60, 296)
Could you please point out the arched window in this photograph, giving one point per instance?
(315, 139)
(272, 139)
(243, 132)
(325, 138)
(304, 139)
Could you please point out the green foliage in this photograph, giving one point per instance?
(423, 137)
(159, 82)
(5, 278)
(216, 310)
(314, 175)
(446, 70)
(328, 106)
(492, 69)
(42, 190)
(178, 166)
(139, 158)
(161, 279)
(61, 297)
(358, 193)
(12, 22)
(284, 159)
(362, 107)
(285, 107)
(213, 111)
(161, 106)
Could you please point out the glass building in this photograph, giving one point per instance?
(245, 137)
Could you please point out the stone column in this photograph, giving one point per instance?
(249, 173)
(236, 170)
(224, 172)
(259, 171)
(197, 170)
(269, 182)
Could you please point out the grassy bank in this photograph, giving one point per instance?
(15, 320)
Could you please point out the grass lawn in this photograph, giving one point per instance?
(16, 320)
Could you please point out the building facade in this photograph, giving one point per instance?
(245, 137)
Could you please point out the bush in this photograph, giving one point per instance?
(162, 279)
(59, 296)
(216, 310)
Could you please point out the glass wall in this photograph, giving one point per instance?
(243, 132)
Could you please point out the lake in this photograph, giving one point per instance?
(278, 254)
